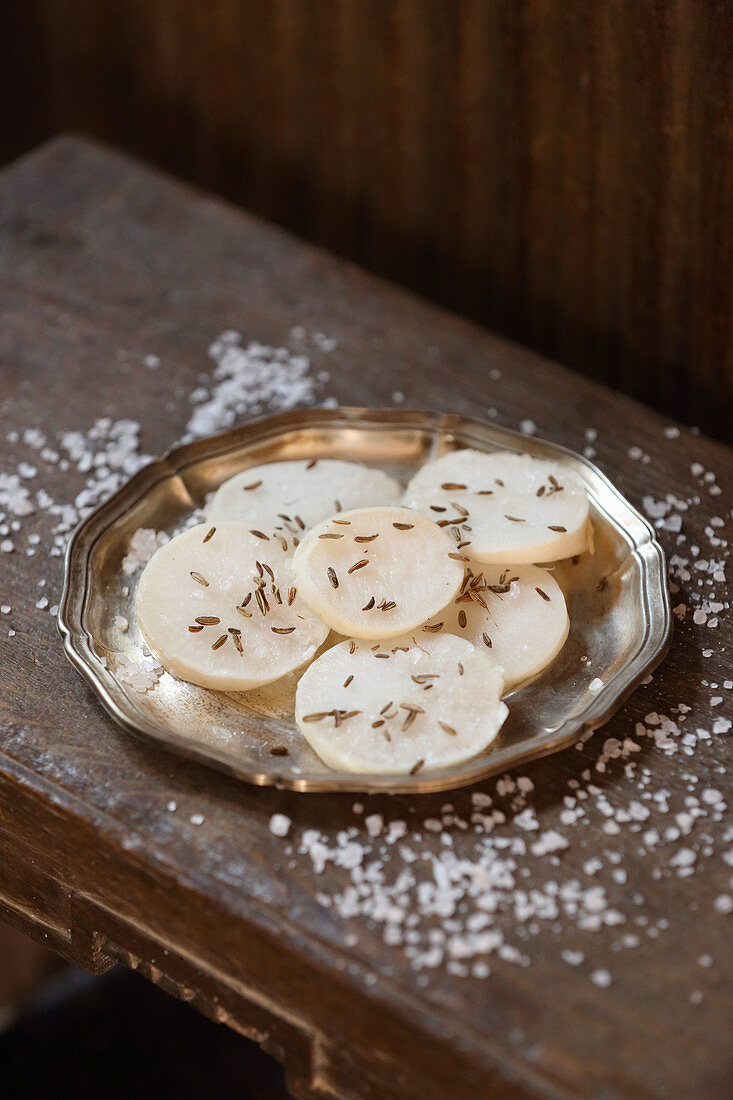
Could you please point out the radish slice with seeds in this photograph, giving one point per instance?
(508, 507)
(400, 708)
(219, 607)
(291, 496)
(377, 572)
(517, 612)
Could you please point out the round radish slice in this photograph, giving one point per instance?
(400, 708)
(517, 612)
(377, 572)
(291, 496)
(219, 607)
(508, 507)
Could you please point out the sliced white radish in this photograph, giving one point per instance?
(291, 496)
(505, 507)
(377, 572)
(399, 707)
(219, 607)
(517, 612)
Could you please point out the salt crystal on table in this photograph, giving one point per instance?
(374, 824)
(197, 819)
(595, 684)
(601, 978)
(724, 904)
(280, 825)
(325, 343)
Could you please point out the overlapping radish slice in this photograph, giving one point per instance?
(219, 606)
(505, 507)
(377, 572)
(291, 496)
(400, 707)
(516, 612)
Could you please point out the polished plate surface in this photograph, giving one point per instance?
(617, 600)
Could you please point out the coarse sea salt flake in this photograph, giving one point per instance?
(140, 676)
(143, 544)
(280, 824)
(550, 841)
(374, 824)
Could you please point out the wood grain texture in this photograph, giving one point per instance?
(103, 262)
(556, 169)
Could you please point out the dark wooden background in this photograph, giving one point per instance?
(560, 170)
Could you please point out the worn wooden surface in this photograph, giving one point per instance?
(102, 263)
(559, 170)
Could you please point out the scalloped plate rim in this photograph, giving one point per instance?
(78, 644)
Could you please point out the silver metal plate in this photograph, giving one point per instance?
(617, 599)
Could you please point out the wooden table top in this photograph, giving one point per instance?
(564, 931)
